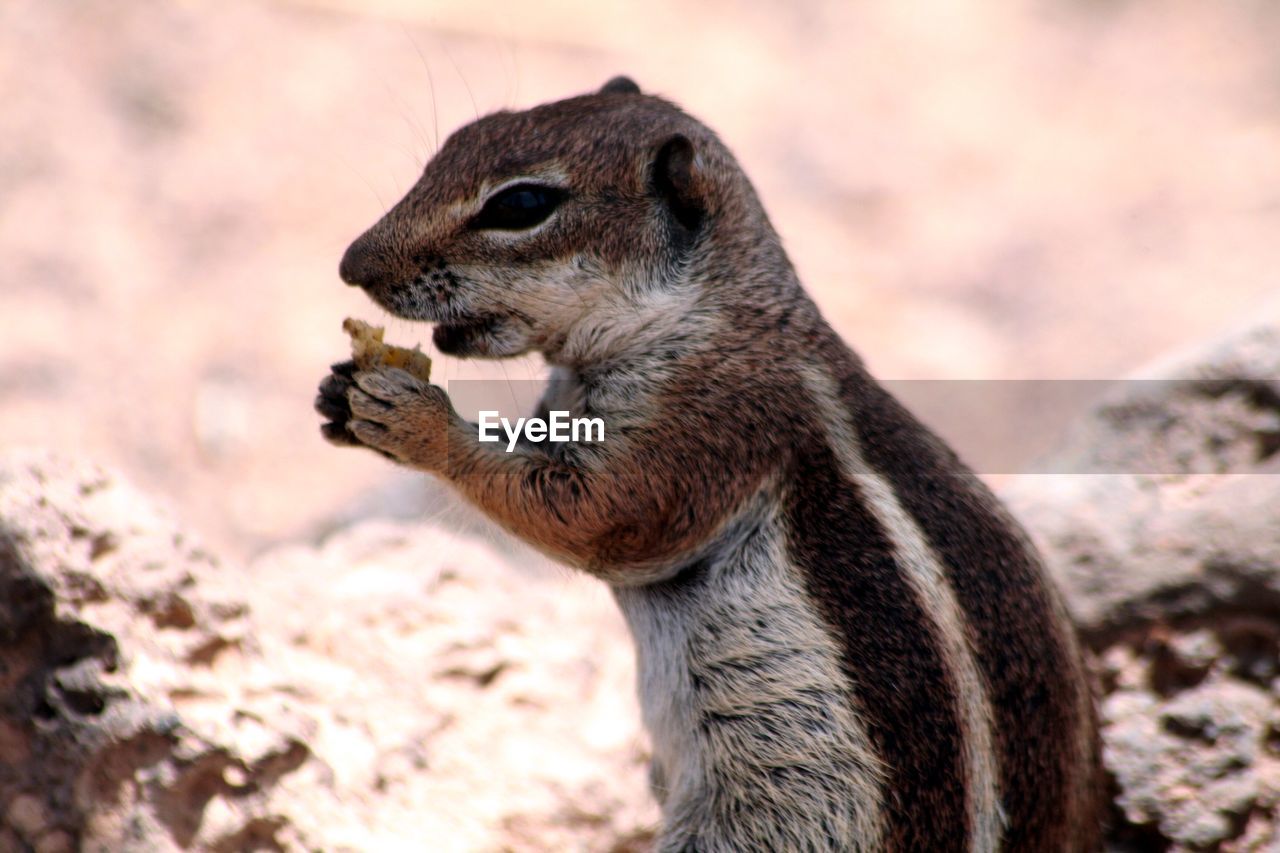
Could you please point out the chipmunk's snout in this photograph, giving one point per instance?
(363, 266)
(380, 265)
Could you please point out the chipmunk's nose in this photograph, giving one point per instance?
(362, 264)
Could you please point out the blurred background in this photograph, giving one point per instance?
(1021, 189)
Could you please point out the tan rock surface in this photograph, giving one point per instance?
(1170, 561)
(467, 701)
(395, 686)
(127, 716)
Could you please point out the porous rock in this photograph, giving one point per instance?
(1170, 562)
(395, 687)
(105, 631)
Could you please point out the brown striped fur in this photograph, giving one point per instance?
(844, 642)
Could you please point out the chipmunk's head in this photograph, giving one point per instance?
(528, 226)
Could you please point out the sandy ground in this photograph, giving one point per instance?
(1038, 189)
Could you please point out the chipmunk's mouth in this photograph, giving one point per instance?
(489, 335)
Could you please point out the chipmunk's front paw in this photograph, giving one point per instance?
(332, 403)
(387, 410)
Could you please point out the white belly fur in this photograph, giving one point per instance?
(755, 741)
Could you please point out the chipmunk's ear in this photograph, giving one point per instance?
(620, 85)
(679, 183)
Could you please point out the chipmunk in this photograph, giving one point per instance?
(844, 641)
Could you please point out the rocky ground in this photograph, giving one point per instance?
(400, 686)
(395, 684)
(1173, 577)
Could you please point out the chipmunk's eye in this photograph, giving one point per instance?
(521, 206)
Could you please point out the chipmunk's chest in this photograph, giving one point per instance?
(742, 691)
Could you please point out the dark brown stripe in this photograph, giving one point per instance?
(1033, 678)
(891, 656)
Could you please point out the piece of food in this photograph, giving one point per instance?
(369, 351)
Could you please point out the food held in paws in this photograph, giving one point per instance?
(369, 352)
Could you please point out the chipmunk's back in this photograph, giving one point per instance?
(870, 656)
